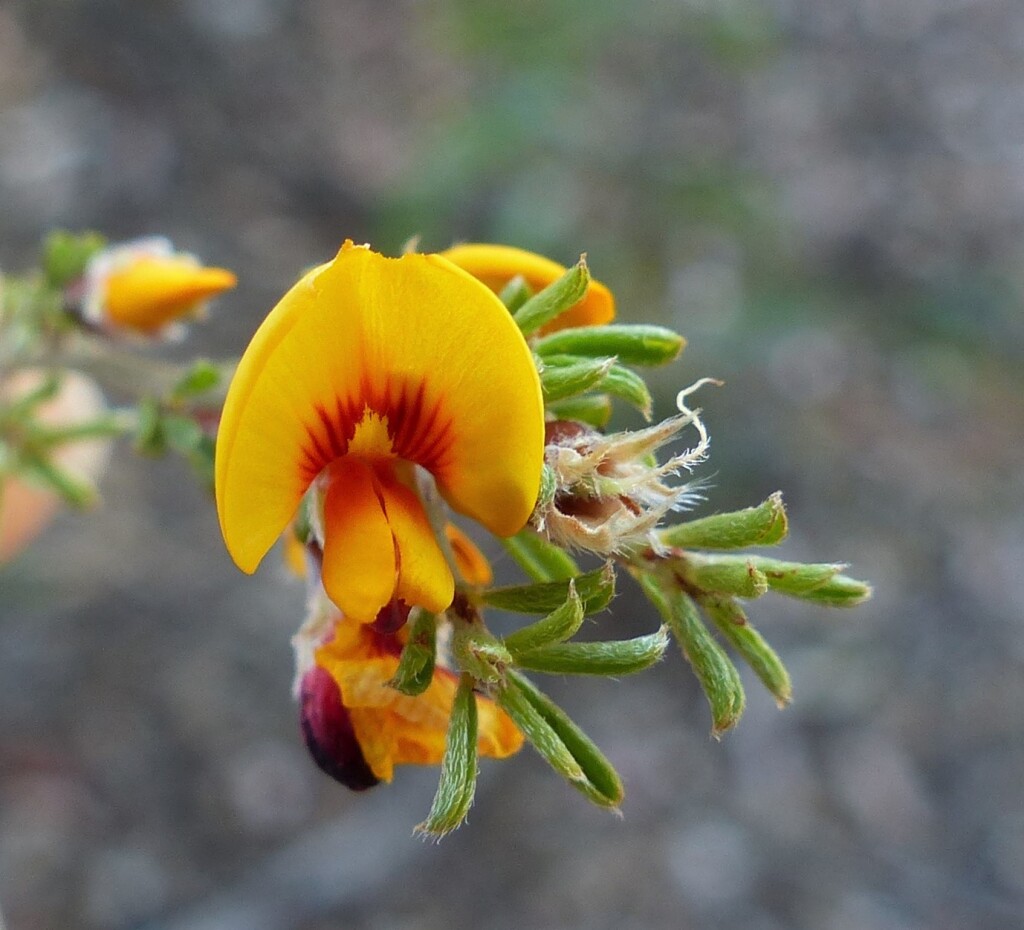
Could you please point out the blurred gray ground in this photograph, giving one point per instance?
(826, 196)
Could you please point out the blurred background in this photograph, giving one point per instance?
(825, 196)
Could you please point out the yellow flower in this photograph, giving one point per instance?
(146, 287)
(496, 265)
(367, 367)
(358, 728)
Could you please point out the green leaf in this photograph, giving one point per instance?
(203, 376)
(566, 748)
(732, 622)
(718, 676)
(561, 381)
(764, 525)
(727, 574)
(632, 344)
(556, 627)
(416, 666)
(514, 294)
(182, 434)
(66, 254)
(592, 409)
(554, 300)
(618, 657)
(457, 785)
(596, 589)
(541, 560)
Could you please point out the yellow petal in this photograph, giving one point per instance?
(496, 265)
(359, 570)
(153, 291)
(469, 560)
(413, 340)
(424, 577)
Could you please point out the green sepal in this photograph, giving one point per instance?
(633, 344)
(548, 488)
(616, 657)
(596, 590)
(201, 377)
(565, 747)
(514, 294)
(416, 665)
(305, 518)
(541, 560)
(561, 381)
(457, 784)
(733, 624)
(559, 296)
(764, 525)
(65, 255)
(821, 582)
(593, 409)
(479, 653)
(727, 574)
(718, 676)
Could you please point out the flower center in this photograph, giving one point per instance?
(371, 439)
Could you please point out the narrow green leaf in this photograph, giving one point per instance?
(840, 591)
(592, 409)
(727, 574)
(715, 671)
(149, 435)
(616, 657)
(457, 785)
(596, 589)
(541, 560)
(823, 582)
(554, 300)
(627, 385)
(561, 381)
(632, 344)
(416, 666)
(556, 627)
(514, 294)
(733, 624)
(479, 653)
(568, 750)
(73, 491)
(182, 434)
(764, 525)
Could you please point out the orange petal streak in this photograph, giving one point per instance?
(359, 570)
(424, 577)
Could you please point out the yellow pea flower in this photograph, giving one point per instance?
(496, 265)
(367, 367)
(146, 287)
(358, 729)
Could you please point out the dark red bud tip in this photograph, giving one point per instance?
(327, 729)
(566, 432)
(391, 617)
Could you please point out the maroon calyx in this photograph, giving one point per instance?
(391, 617)
(328, 732)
